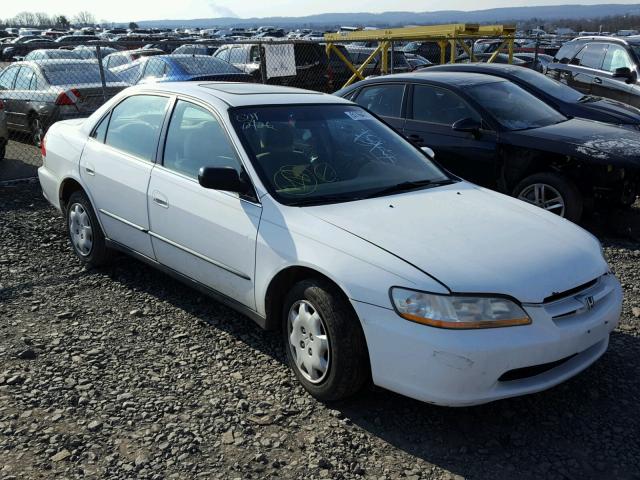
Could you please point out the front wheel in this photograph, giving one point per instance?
(553, 193)
(85, 234)
(324, 341)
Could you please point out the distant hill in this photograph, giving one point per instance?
(493, 15)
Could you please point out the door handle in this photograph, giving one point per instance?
(160, 199)
(89, 169)
(597, 80)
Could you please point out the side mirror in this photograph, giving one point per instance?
(429, 152)
(225, 178)
(468, 124)
(622, 72)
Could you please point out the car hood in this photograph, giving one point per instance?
(617, 112)
(474, 240)
(583, 139)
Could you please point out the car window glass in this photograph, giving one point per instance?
(155, 68)
(591, 55)
(237, 55)
(7, 78)
(437, 105)
(196, 139)
(135, 125)
(223, 54)
(24, 78)
(616, 57)
(384, 100)
(254, 55)
(100, 131)
(566, 52)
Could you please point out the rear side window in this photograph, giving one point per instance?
(567, 52)
(437, 105)
(196, 139)
(24, 79)
(591, 56)
(7, 77)
(384, 100)
(135, 125)
(238, 55)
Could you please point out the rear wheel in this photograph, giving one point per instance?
(553, 193)
(37, 131)
(85, 234)
(324, 341)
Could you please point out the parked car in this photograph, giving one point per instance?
(494, 133)
(563, 98)
(37, 94)
(4, 131)
(19, 49)
(360, 54)
(313, 69)
(601, 66)
(288, 205)
(417, 61)
(196, 49)
(76, 39)
(499, 58)
(428, 50)
(538, 62)
(51, 54)
(90, 52)
(175, 68)
(118, 59)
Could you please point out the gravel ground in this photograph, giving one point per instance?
(125, 373)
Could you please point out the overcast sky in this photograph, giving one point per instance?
(129, 10)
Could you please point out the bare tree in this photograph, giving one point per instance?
(43, 19)
(24, 19)
(84, 18)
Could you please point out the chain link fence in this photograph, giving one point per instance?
(43, 82)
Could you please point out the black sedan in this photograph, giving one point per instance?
(492, 132)
(563, 98)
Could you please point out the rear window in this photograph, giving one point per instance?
(75, 73)
(205, 65)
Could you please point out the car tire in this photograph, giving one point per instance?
(37, 130)
(544, 189)
(320, 329)
(85, 233)
(3, 150)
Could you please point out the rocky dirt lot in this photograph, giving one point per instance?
(125, 373)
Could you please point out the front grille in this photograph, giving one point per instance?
(572, 291)
(533, 370)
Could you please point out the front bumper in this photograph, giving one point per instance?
(464, 367)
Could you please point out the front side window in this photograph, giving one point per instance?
(616, 57)
(317, 153)
(437, 105)
(135, 125)
(196, 139)
(384, 100)
(7, 77)
(512, 107)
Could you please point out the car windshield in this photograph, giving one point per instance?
(512, 107)
(548, 85)
(310, 154)
(75, 73)
(198, 65)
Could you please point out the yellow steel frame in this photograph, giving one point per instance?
(451, 34)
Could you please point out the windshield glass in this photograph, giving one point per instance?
(512, 107)
(548, 85)
(75, 73)
(316, 153)
(200, 64)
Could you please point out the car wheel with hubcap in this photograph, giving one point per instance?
(553, 193)
(37, 131)
(324, 341)
(85, 234)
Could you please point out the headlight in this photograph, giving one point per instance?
(457, 311)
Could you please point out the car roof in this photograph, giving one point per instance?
(441, 77)
(236, 94)
(487, 67)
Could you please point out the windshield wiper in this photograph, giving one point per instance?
(320, 200)
(410, 185)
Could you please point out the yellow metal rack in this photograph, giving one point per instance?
(453, 34)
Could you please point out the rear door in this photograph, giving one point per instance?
(585, 66)
(387, 100)
(605, 84)
(23, 96)
(432, 111)
(116, 166)
(9, 98)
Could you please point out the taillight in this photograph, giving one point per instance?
(43, 148)
(68, 98)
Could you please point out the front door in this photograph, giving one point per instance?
(116, 166)
(207, 235)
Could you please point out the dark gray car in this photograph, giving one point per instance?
(37, 94)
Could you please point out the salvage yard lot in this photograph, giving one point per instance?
(123, 372)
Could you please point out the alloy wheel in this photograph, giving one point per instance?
(544, 196)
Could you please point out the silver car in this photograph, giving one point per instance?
(4, 131)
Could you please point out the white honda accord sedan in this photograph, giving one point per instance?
(309, 215)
